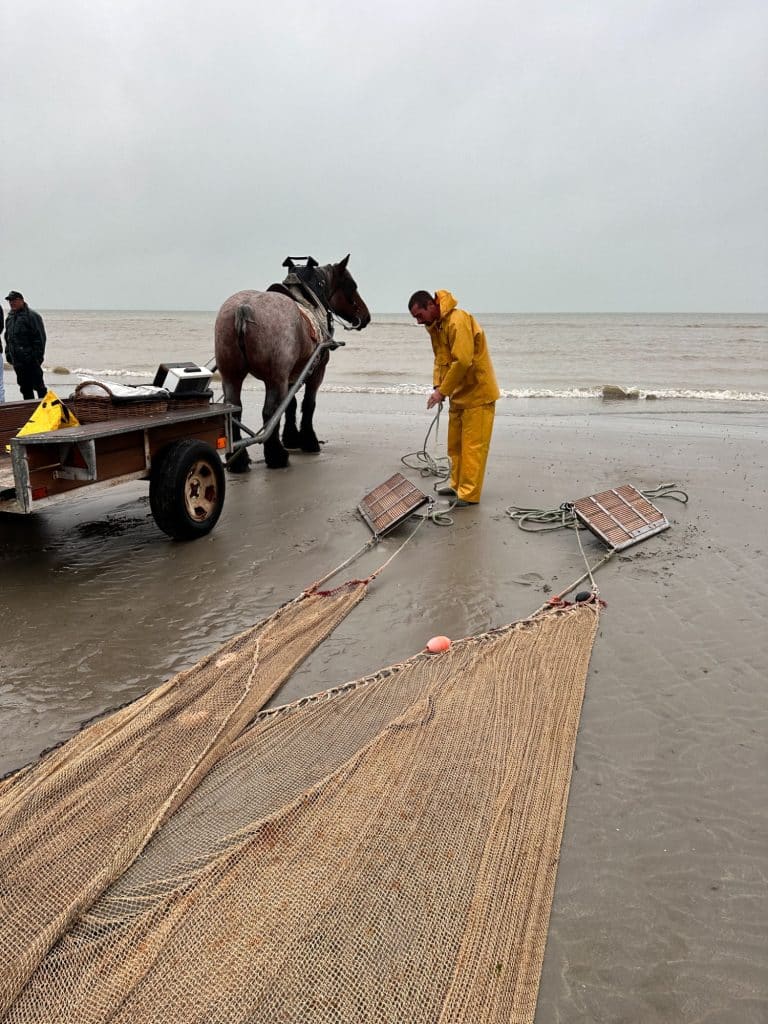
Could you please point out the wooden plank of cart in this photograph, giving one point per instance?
(179, 451)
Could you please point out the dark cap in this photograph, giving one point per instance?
(13, 295)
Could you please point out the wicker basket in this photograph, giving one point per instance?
(177, 403)
(97, 408)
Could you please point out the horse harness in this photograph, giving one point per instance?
(308, 287)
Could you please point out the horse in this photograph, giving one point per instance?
(272, 335)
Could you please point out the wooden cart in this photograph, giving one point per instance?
(178, 451)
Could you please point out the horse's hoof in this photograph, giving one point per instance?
(310, 445)
(242, 464)
(291, 440)
(278, 460)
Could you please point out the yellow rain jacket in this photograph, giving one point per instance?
(463, 368)
(50, 414)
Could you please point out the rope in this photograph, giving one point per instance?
(360, 551)
(407, 540)
(425, 464)
(544, 519)
(558, 598)
(337, 319)
(436, 515)
(440, 517)
(589, 571)
(667, 491)
(563, 517)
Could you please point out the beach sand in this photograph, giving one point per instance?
(660, 909)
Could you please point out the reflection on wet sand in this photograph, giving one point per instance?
(659, 911)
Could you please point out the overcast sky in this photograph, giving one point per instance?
(577, 155)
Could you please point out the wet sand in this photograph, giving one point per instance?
(660, 909)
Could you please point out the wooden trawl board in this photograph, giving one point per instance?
(390, 503)
(620, 517)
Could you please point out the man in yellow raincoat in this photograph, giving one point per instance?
(463, 373)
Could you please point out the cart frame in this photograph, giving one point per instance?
(47, 468)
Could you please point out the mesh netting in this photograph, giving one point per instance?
(73, 822)
(382, 852)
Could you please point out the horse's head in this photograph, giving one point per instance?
(344, 298)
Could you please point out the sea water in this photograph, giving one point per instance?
(692, 357)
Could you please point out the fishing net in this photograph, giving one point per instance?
(73, 822)
(385, 851)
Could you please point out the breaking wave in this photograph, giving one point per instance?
(691, 394)
(369, 388)
(85, 371)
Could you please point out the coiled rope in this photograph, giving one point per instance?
(437, 466)
(423, 462)
(564, 517)
(536, 520)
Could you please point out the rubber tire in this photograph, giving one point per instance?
(174, 485)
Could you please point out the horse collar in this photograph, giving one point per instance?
(303, 295)
(297, 287)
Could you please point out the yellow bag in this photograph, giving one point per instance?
(51, 414)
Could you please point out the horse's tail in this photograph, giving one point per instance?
(243, 317)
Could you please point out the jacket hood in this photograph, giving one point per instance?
(446, 302)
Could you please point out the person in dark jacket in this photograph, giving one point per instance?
(2, 359)
(25, 345)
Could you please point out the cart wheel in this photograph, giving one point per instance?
(186, 489)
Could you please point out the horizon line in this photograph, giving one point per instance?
(487, 312)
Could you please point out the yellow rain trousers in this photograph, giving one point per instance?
(464, 373)
(469, 437)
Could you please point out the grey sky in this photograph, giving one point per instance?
(529, 157)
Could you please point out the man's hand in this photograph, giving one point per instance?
(435, 398)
